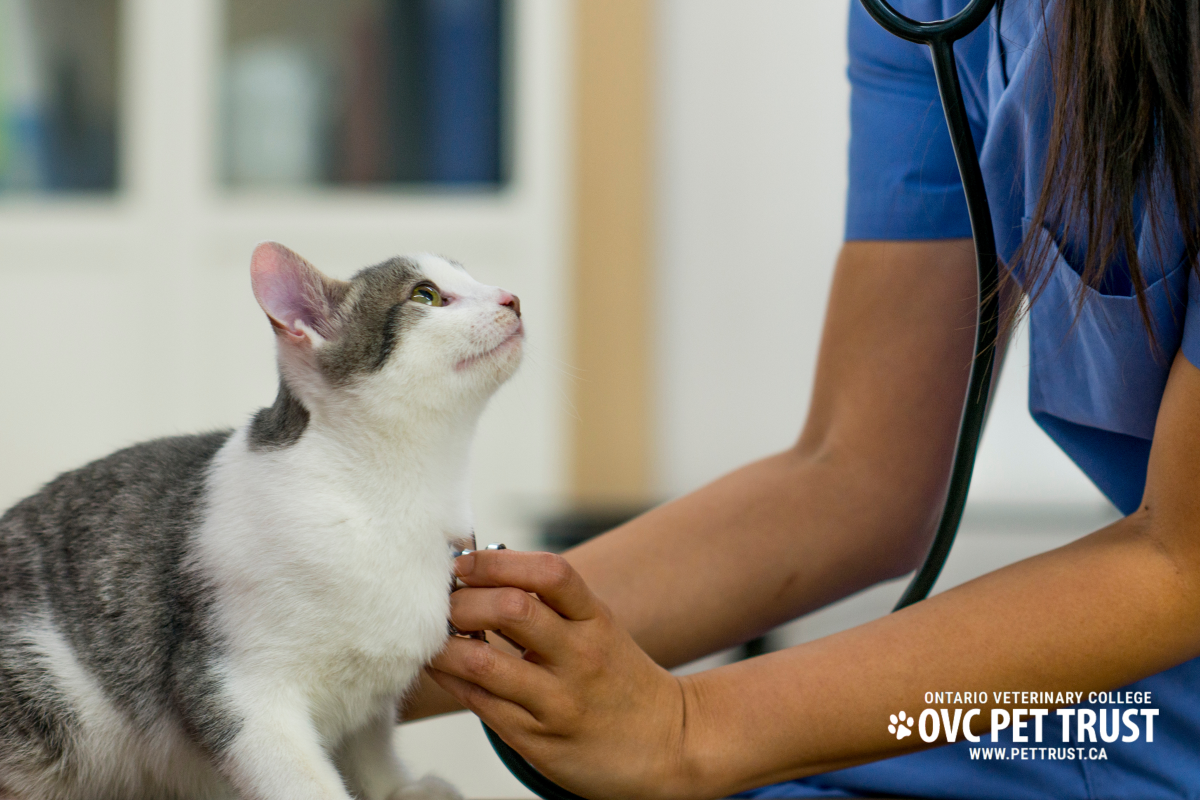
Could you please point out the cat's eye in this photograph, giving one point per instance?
(426, 294)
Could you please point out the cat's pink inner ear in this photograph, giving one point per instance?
(292, 292)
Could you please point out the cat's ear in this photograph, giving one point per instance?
(298, 299)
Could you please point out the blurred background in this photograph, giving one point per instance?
(662, 182)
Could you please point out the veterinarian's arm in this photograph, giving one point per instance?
(591, 710)
(852, 503)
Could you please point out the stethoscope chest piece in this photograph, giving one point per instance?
(456, 550)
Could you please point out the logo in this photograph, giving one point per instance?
(901, 725)
(1105, 718)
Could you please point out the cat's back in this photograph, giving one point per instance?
(115, 516)
(99, 548)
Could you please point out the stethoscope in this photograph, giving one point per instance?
(940, 37)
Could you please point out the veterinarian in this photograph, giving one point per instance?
(1085, 114)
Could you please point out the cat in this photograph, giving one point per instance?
(238, 614)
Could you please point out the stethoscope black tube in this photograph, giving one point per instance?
(523, 771)
(939, 37)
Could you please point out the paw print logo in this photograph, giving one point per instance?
(901, 725)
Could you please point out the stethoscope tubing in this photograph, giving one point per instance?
(939, 36)
(945, 30)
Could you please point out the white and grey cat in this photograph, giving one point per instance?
(237, 614)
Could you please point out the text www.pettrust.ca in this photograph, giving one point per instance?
(1038, 754)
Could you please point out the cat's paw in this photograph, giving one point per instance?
(430, 787)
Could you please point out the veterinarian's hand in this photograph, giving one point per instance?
(585, 705)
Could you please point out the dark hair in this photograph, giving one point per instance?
(1124, 128)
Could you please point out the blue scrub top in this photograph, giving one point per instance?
(1095, 384)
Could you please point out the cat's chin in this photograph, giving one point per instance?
(509, 349)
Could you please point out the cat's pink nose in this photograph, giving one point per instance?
(512, 301)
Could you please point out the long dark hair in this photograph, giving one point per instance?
(1125, 127)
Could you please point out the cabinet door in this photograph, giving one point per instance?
(58, 96)
(372, 92)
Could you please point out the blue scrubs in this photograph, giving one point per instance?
(1094, 386)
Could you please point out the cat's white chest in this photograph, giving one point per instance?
(379, 590)
(337, 597)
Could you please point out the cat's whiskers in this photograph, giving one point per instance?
(573, 375)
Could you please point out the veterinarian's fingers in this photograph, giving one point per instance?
(497, 672)
(517, 614)
(546, 574)
(495, 711)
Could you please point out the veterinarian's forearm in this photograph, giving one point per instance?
(853, 503)
(1114, 607)
(762, 545)
(1094, 615)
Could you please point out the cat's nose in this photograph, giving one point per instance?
(511, 301)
